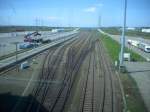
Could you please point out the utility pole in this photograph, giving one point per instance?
(36, 23)
(121, 55)
(100, 17)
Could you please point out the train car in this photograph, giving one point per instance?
(144, 47)
(54, 31)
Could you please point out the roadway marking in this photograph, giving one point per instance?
(25, 90)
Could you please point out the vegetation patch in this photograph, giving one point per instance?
(8, 29)
(135, 33)
(113, 48)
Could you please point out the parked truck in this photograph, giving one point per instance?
(30, 37)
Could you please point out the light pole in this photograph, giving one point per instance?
(123, 36)
(99, 21)
(100, 17)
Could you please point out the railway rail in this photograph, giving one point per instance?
(102, 80)
(63, 63)
(42, 89)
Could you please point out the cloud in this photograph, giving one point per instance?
(90, 9)
(93, 8)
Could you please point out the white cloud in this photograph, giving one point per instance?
(93, 8)
(90, 9)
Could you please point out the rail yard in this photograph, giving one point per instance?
(74, 76)
(74, 56)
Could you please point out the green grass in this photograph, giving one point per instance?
(7, 29)
(113, 48)
(113, 31)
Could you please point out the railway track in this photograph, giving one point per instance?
(114, 98)
(49, 73)
(63, 64)
(108, 104)
(68, 80)
(98, 93)
(88, 95)
(52, 66)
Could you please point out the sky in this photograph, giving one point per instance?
(76, 13)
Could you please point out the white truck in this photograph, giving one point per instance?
(144, 47)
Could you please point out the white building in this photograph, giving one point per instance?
(130, 28)
(146, 30)
(54, 30)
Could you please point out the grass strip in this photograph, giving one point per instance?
(113, 48)
(134, 33)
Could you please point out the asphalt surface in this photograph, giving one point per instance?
(7, 40)
(21, 56)
(141, 74)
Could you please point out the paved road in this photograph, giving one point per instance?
(141, 74)
(142, 53)
(6, 40)
(11, 60)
